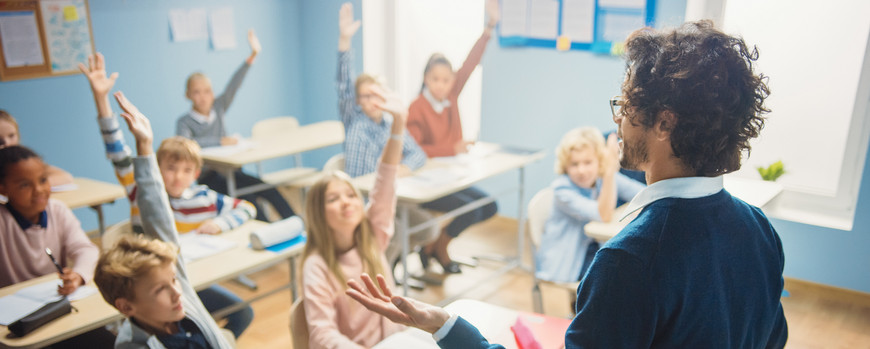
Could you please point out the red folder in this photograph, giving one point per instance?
(536, 331)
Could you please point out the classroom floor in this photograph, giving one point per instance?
(818, 316)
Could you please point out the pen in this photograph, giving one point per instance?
(48, 252)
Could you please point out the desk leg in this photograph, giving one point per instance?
(100, 219)
(521, 228)
(293, 291)
(403, 230)
(231, 183)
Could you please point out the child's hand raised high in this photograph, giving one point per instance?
(139, 125)
(389, 102)
(347, 26)
(96, 74)
(255, 46)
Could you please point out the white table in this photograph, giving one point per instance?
(450, 176)
(91, 193)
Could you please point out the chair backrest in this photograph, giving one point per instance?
(335, 163)
(539, 211)
(298, 325)
(273, 126)
(114, 233)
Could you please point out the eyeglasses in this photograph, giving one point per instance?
(616, 106)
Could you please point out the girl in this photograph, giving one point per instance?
(9, 135)
(433, 120)
(586, 190)
(344, 241)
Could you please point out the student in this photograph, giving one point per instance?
(195, 209)
(433, 120)
(9, 135)
(30, 222)
(586, 190)
(697, 268)
(205, 124)
(142, 276)
(366, 126)
(344, 241)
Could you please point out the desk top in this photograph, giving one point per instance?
(298, 140)
(444, 176)
(492, 321)
(94, 312)
(90, 192)
(601, 231)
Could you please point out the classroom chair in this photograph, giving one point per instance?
(114, 233)
(539, 211)
(270, 129)
(298, 325)
(335, 163)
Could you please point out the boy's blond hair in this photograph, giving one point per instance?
(178, 148)
(195, 76)
(577, 139)
(132, 257)
(4, 116)
(365, 79)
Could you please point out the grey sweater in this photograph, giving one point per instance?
(158, 223)
(209, 135)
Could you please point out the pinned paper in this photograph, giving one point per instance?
(563, 43)
(70, 14)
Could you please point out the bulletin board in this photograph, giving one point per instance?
(594, 25)
(43, 38)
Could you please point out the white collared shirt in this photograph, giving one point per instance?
(682, 188)
(436, 105)
(203, 119)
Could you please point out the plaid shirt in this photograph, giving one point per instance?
(364, 139)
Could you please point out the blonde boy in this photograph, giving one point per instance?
(196, 209)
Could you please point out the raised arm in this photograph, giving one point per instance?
(347, 27)
(476, 53)
(254, 42)
(226, 98)
(607, 196)
(382, 199)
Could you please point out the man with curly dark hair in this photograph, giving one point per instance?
(697, 268)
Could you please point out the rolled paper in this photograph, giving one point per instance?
(277, 232)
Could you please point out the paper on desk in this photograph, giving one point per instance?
(227, 150)
(434, 177)
(197, 246)
(64, 187)
(29, 299)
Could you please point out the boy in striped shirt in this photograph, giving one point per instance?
(197, 209)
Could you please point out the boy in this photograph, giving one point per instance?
(196, 209)
(143, 278)
(204, 123)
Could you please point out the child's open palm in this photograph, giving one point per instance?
(139, 125)
(347, 26)
(101, 84)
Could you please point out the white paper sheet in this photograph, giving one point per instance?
(633, 4)
(29, 299)
(20, 36)
(578, 20)
(223, 29)
(514, 19)
(197, 246)
(187, 25)
(544, 19)
(227, 150)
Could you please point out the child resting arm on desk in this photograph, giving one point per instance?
(345, 241)
(586, 190)
(142, 275)
(195, 209)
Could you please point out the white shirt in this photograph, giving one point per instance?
(682, 188)
(203, 119)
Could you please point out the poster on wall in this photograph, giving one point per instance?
(67, 32)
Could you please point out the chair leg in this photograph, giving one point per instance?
(537, 299)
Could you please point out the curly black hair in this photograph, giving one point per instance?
(706, 79)
(13, 154)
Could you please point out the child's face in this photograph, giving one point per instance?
(344, 212)
(439, 81)
(582, 167)
(26, 185)
(199, 92)
(366, 100)
(178, 175)
(8, 134)
(157, 298)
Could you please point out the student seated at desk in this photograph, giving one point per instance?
(195, 209)
(586, 190)
(433, 120)
(142, 276)
(9, 135)
(344, 241)
(205, 124)
(30, 222)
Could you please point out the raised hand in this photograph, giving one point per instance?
(255, 45)
(96, 74)
(492, 11)
(389, 102)
(398, 309)
(347, 26)
(139, 125)
(611, 155)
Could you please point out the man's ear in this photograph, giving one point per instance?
(664, 125)
(125, 307)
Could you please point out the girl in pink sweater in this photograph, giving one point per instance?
(345, 241)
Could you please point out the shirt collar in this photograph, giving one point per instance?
(682, 188)
(438, 106)
(25, 223)
(203, 119)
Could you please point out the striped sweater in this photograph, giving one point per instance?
(195, 206)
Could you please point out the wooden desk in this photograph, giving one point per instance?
(492, 321)
(411, 192)
(94, 312)
(302, 139)
(91, 193)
